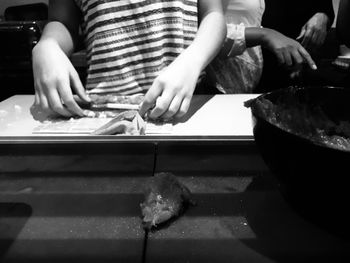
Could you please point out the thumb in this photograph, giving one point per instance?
(302, 33)
(78, 86)
(148, 103)
(151, 97)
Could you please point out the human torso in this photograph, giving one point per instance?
(248, 12)
(240, 74)
(130, 41)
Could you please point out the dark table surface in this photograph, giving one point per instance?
(81, 204)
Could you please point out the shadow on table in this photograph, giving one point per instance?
(81, 227)
(255, 225)
(13, 216)
(285, 236)
(196, 103)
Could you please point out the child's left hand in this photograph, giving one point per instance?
(171, 92)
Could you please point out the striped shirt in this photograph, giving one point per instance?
(130, 41)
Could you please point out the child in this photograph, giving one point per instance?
(239, 67)
(154, 47)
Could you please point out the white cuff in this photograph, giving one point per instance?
(237, 34)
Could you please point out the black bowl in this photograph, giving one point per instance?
(303, 135)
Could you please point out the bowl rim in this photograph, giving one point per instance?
(308, 140)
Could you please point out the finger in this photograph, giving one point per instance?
(288, 58)
(36, 110)
(36, 103)
(307, 38)
(36, 98)
(292, 75)
(314, 43)
(297, 58)
(56, 103)
(42, 99)
(44, 104)
(280, 58)
(162, 105)
(320, 39)
(185, 105)
(295, 74)
(173, 108)
(70, 104)
(323, 37)
(36, 93)
(307, 58)
(150, 98)
(78, 86)
(314, 40)
(302, 33)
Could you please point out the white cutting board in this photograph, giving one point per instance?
(219, 115)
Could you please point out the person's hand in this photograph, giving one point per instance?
(171, 92)
(289, 52)
(54, 78)
(314, 32)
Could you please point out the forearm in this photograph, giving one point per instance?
(208, 41)
(63, 28)
(255, 36)
(57, 33)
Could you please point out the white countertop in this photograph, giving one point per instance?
(218, 115)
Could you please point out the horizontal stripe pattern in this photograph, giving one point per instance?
(130, 41)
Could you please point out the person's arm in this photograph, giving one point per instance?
(314, 32)
(172, 90)
(54, 74)
(63, 28)
(343, 22)
(288, 51)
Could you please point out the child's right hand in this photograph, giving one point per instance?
(171, 93)
(54, 79)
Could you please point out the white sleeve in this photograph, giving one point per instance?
(237, 34)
